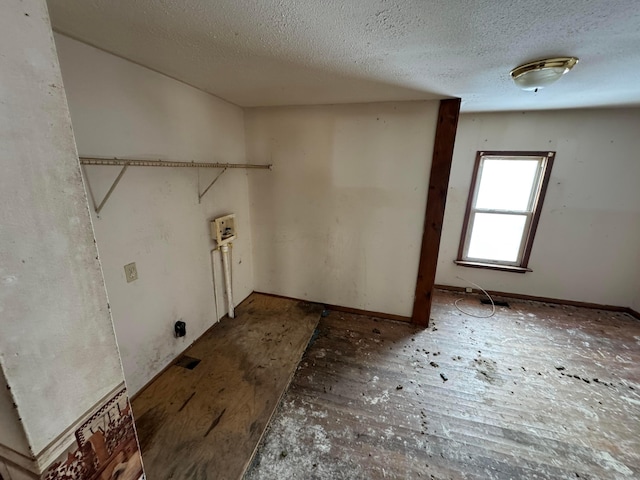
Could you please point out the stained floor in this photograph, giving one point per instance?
(203, 420)
(537, 391)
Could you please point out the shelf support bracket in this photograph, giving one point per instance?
(98, 209)
(200, 195)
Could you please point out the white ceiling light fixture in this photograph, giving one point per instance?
(541, 73)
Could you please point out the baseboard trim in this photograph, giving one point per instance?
(557, 301)
(369, 313)
(339, 308)
(633, 313)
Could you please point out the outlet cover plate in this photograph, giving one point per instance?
(131, 272)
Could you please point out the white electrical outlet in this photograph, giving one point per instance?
(468, 290)
(131, 272)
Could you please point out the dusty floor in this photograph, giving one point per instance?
(537, 392)
(203, 421)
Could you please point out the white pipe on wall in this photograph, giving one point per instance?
(227, 278)
(215, 286)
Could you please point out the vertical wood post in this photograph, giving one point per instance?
(434, 213)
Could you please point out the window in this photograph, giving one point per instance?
(503, 209)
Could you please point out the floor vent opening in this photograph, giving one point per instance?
(187, 362)
(497, 303)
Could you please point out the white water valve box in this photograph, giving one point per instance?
(223, 229)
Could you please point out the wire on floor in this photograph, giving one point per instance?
(493, 305)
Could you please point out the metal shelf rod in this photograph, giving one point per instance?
(129, 162)
(121, 162)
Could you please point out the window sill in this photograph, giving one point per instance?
(492, 266)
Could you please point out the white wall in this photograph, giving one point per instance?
(340, 218)
(588, 238)
(57, 346)
(153, 217)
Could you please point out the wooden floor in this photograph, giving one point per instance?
(205, 423)
(535, 392)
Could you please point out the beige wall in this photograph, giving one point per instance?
(339, 220)
(57, 346)
(153, 217)
(586, 247)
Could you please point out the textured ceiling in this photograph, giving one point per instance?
(284, 52)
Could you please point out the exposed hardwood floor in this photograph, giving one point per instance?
(535, 392)
(205, 423)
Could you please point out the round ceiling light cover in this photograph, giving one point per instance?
(539, 74)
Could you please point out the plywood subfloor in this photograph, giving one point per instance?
(535, 392)
(204, 423)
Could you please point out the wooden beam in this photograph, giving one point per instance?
(434, 213)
